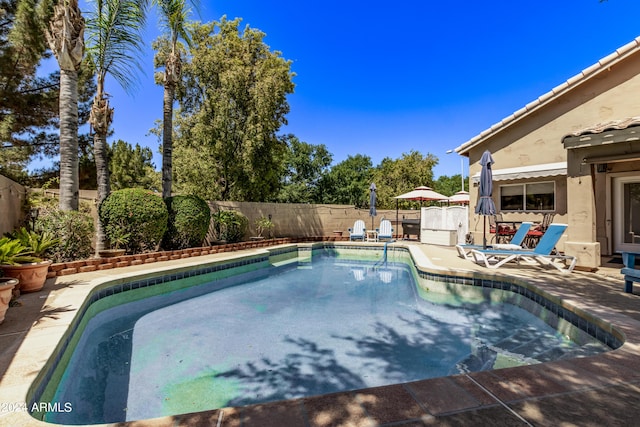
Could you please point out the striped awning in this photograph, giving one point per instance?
(526, 172)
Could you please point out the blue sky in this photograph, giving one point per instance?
(384, 78)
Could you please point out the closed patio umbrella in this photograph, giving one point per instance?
(485, 204)
(372, 202)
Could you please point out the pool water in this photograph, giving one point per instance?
(301, 330)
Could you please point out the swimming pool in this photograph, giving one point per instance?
(142, 364)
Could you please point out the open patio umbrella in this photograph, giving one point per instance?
(485, 204)
(421, 194)
(372, 202)
(460, 198)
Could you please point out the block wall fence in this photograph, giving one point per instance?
(12, 198)
(289, 219)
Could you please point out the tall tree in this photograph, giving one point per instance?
(131, 167)
(348, 182)
(394, 177)
(173, 14)
(233, 102)
(449, 185)
(66, 41)
(22, 47)
(306, 164)
(114, 30)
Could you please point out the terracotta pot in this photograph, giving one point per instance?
(6, 291)
(31, 276)
(108, 253)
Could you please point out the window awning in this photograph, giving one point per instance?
(526, 172)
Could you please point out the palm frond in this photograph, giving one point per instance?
(115, 38)
(174, 15)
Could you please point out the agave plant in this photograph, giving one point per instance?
(37, 243)
(13, 252)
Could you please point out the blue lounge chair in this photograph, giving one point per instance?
(385, 232)
(516, 242)
(358, 231)
(541, 254)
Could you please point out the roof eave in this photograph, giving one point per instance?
(585, 75)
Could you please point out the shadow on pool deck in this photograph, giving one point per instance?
(591, 391)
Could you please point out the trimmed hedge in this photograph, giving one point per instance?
(136, 216)
(189, 218)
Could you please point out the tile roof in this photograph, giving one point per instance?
(589, 72)
(607, 126)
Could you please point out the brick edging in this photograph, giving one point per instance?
(95, 264)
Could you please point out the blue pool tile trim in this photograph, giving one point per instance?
(570, 316)
(585, 325)
(124, 287)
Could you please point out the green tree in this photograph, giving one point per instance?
(114, 30)
(66, 40)
(305, 166)
(173, 14)
(22, 46)
(395, 177)
(233, 102)
(347, 183)
(132, 167)
(449, 185)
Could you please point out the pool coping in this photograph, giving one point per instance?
(423, 400)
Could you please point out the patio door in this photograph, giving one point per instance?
(626, 213)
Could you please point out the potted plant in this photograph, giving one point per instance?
(22, 256)
(118, 239)
(264, 225)
(7, 284)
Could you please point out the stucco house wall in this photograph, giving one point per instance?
(532, 136)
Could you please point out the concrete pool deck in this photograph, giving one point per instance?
(591, 391)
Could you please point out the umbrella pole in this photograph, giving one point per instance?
(397, 223)
(484, 232)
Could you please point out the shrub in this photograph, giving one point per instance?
(189, 218)
(73, 230)
(229, 225)
(264, 225)
(136, 213)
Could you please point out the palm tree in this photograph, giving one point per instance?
(174, 17)
(114, 30)
(66, 39)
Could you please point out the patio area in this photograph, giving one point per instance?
(592, 391)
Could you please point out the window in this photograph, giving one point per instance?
(536, 196)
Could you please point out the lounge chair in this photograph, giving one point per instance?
(385, 232)
(516, 242)
(541, 254)
(358, 231)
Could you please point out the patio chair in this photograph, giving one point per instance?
(385, 232)
(541, 254)
(358, 231)
(516, 242)
(358, 274)
(386, 276)
(546, 221)
(493, 223)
